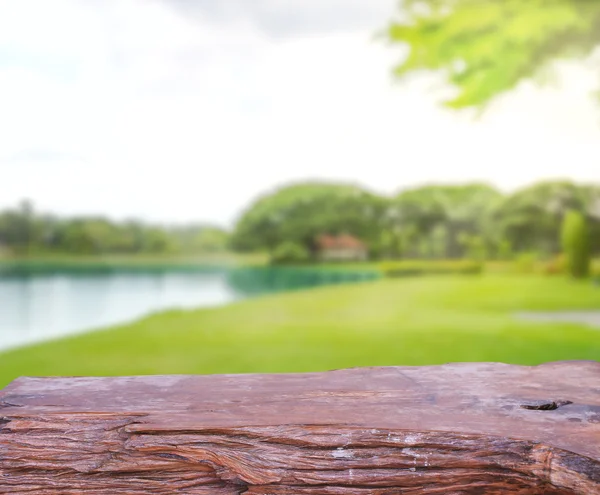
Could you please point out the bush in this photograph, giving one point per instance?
(475, 246)
(424, 267)
(505, 250)
(595, 268)
(526, 262)
(576, 244)
(556, 266)
(290, 252)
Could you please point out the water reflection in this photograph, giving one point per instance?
(42, 305)
(37, 307)
(253, 281)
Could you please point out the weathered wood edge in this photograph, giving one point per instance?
(125, 451)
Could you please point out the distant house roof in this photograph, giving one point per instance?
(343, 241)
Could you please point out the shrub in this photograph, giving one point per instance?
(505, 250)
(556, 266)
(576, 244)
(290, 252)
(526, 262)
(475, 246)
(424, 267)
(595, 268)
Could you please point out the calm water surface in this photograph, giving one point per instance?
(41, 306)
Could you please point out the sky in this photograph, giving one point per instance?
(186, 110)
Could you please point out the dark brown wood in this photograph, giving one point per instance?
(445, 430)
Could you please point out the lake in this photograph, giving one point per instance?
(42, 303)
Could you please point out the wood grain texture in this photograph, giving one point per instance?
(443, 430)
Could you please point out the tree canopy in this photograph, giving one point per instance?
(485, 48)
(576, 243)
(434, 221)
(472, 221)
(301, 212)
(447, 217)
(25, 231)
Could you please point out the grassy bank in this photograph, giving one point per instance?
(135, 259)
(100, 264)
(406, 267)
(412, 321)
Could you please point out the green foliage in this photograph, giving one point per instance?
(437, 267)
(473, 221)
(23, 231)
(389, 245)
(530, 218)
(556, 266)
(475, 247)
(504, 250)
(414, 321)
(526, 262)
(576, 245)
(595, 269)
(591, 199)
(290, 252)
(19, 228)
(201, 239)
(442, 216)
(301, 212)
(485, 48)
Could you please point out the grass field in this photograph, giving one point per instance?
(414, 321)
(135, 260)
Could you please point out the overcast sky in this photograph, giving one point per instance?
(181, 110)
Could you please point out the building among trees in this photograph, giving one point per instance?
(341, 248)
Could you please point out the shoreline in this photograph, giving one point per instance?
(226, 285)
(413, 321)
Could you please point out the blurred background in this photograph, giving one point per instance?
(276, 186)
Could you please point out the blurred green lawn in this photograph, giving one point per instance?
(416, 321)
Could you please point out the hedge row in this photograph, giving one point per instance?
(431, 267)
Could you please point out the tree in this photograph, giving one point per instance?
(591, 199)
(485, 48)
(157, 240)
(439, 216)
(88, 236)
(420, 210)
(301, 212)
(20, 228)
(24, 231)
(210, 240)
(468, 208)
(290, 252)
(575, 241)
(529, 219)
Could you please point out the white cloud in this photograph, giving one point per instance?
(137, 110)
(288, 18)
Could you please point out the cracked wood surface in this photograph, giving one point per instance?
(456, 429)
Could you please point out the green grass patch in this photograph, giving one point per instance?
(411, 321)
(91, 265)
(407, 268)
(134, 260)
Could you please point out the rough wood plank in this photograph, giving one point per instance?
(445, 430)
